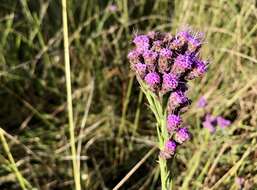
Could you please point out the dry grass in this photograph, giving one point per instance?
(114, 128)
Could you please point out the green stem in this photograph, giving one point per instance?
(18, 175)
(76, 171)
(164, 174)
(160, 116)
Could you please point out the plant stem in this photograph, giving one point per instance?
(160, 116)
(76, 171)
(165, 179)
(164, 173)
(19, 177)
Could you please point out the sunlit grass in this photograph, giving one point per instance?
(115, 128)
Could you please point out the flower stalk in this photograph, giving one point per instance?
(156, 107)
(76, 171)
(163, 64)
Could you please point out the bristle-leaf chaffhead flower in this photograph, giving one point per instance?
(173, 122)
(142, 43)
(134, 56)
(200, 68)
(202, 102)
(163, 64)
(211, 122)
(222, 122)
(169, 149)
(182, 63)
(176, 99)
(152, 80)
(169, 82)
(182, 135)
(164, 59)
(149, 59)
(140, 69)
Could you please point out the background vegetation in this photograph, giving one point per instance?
(114, 127)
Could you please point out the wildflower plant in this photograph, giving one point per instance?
(163, 64)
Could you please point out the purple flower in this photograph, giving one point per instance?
(170, 146)
(199, 70)
(112, 8)
(176, 99)
(150, 56)
(184, 35)
(157, 45)
(182, 63)
(165, 53)
(169, 82)
(240, 181)
(142, 43)
(202, 102)
(173, 121)
(164, 59)
(133, 56)
(141, 39)
(182, 135)
(222, 122)
(210, 123)
(169, 149)
(140, 69)
(152, 79)
(193, 44)
(176, 44)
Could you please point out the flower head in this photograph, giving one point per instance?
(142, 43)
(193, 44)
(166, 63)
(222, 122)
(140, 40)
(182, 135)
(170, 146)
(164, 59)
(140, 69)
(150, 57)
(152, 79)
(199, 70)
(157, 45)
(184, 35)
(176, 100)
(173, 121)
(202, 102)
(182, 63)
(134, 56)
(176, 44)
(165, 53)
(169, 82)
(169, 149)
(210, 123)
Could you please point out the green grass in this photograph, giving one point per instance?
(115, 129)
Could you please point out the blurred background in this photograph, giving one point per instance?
(114, 127)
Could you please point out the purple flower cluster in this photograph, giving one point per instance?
(210, 122)
(165, 63)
